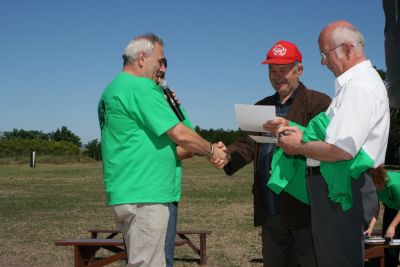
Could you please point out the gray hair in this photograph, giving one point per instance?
(349, 35)
(141, 44)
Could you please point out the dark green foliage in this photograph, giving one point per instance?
(59, 146)
(59, 135)
(23, 134)
(93, 149)
(65, 135)
(382, 73)
(392, 153)
(18, 146)
(226, 136)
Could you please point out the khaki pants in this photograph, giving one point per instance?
(144, 227)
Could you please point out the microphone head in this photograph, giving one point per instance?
(163, 84)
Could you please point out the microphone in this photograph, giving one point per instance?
(171, 101)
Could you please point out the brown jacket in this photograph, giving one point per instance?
(294, 214)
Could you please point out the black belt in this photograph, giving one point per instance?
(313, 171)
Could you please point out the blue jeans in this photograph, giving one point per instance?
(171, 232)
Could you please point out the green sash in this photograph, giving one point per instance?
(288, 174)
(290, 177)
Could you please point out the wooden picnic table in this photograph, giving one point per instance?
(85, 249)
(183, 235)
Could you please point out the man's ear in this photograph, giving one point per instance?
(300, 69)
(141, 59)
(347, 50)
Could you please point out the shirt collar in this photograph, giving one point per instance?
(346, 76)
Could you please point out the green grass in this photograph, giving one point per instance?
(50, 202)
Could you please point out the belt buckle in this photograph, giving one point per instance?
(311, 170)
(308, 171)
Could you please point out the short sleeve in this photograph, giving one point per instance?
(155, 112)
(352, 120)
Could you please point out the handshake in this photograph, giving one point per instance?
(220, 157)
(279, 127)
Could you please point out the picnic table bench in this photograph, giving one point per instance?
(85, 249)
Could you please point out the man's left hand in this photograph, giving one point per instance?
(289, 139)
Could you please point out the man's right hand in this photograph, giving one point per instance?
(274, 125)
(220, 160)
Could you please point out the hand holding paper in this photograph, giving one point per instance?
(274, 125)
(252, 117)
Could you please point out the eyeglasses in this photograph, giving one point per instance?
(324, 55)
(163, 61)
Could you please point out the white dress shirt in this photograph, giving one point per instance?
(359, 113)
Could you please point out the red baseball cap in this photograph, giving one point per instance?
(283, 52)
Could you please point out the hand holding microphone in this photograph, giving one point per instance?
(171, 100)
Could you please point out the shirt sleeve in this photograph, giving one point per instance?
(186, 121)
(352, 119)
(155, 112)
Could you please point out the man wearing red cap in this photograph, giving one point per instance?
(285, 221)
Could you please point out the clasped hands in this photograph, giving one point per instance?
(220, 157)
(288, 137)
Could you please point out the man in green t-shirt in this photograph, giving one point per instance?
(142, 140)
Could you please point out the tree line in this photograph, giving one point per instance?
(19, 143)
(63, 134)
(63, 141)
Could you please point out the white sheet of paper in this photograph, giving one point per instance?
(252, 117)
(395, 242)
(263, 139)
(374, 240)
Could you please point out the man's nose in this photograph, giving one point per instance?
(162, 68)
(323, 61)
(279, 75)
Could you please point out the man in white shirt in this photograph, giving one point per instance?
(359, 119)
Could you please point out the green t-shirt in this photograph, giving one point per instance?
(139, 159)
(390, 194)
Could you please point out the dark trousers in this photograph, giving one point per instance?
(284, 247)
(391, 254)
(337, 234)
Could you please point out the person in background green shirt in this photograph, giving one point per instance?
(388, 190)
(173, 206)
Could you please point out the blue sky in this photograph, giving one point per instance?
(56, 57)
